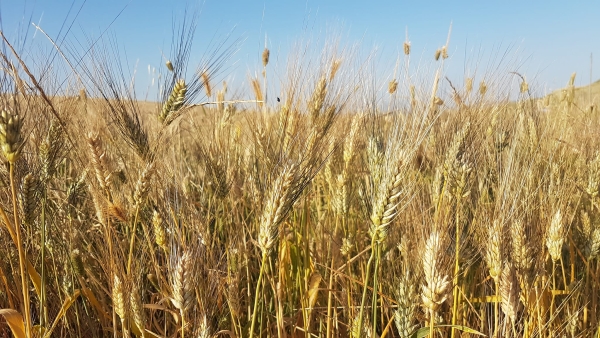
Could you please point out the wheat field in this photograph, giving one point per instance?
(410, 209)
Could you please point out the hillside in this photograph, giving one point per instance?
(584, 97)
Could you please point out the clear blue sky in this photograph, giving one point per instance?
(545, 40)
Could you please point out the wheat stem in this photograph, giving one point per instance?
(496, 310)
(431, 324)
(366, 286)
(330, 285)
(133, 235)
(455, 294)
(43, 308)
(257, 294)
(564, 276)
(375, 286)
(22, 254)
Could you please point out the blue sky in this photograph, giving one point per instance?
(545, 40)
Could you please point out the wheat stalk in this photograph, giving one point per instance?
(160, 233)
(407, 305)
(118, 299)
(99, 162)
(509, 293)
(143, 184)
(182, 282)
(278, 204)
(521, 252)
(555, 237)
(433, 292)
(174, 102)
(317, 100)
(11, 143)
(137, 309)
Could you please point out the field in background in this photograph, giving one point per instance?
(342, 211)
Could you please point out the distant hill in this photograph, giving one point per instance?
(584, 96)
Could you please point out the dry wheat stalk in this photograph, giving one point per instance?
(355, 331)
(50, 150)
(569, 92)
(137, 308)
(407, 305)
(118, 298)
(375, 159)
(99, 162)
(143, 184)
(456, 168)
(317, 100)
(76, 190)
(221, 98)
(117, 211)
(233, 281)
(524, 87)
(468, 85)
(206, 84)
(277, 206)
(392, 86)
(203, 330)
(351, 141)
(555, 236)
(586, 225)
(532, 133)
(593, 181)
(183, 283)
(29, 197)
(494, 249)
(340, 194)
(433, 292)
(11, 138)
(258, 94)
(335, 67)
(99, 207)
(77, 263)
(509, 292)
(590, 235)
(521, 253)
(160, 233)
(174, 102)
(573, 323)
(594, 244)
(413, 97)
(265, 57)
(291, 126)
(347, 246)
(482, 88)
(386, 205)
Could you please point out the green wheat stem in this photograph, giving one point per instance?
(257, 294)
(375, 285)
(366, 286)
